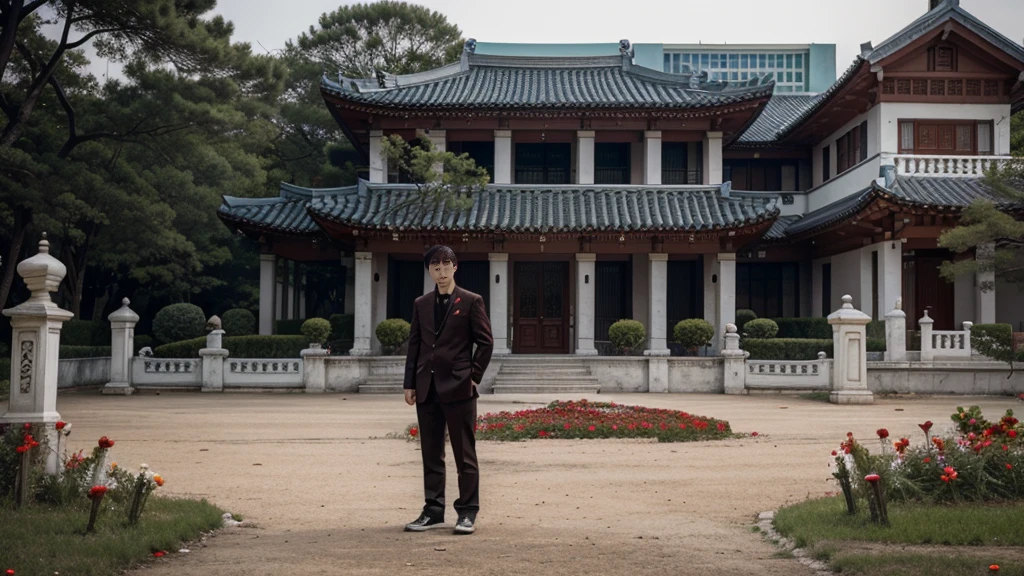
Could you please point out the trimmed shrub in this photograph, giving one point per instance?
(876, 329)
(5, 351)
(627, 335)
(179, 322)
(239, 347)
(316, 330)
(238, 322)
(77, 332)
(742, 317)
(817, 328)
(761, 328)
(992, 340)
(288, 327)
(5, 368)
(343, 326)
(71, 352)
(392, 333)
(876, 344)
(786, 348)
(693, 333)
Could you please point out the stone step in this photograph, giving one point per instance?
(546, 389)
(546, 370)
(380, 388)
(552, 378)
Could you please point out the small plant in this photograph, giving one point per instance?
(627, 335)
(316, 330)
(392, 333)
(742, 317)
(761, 328)
(996, 342)
(239, 322)
(179, 322)
(693, 333)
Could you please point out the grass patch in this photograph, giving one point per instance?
(41, 539)
(815, 396)
(923, 564)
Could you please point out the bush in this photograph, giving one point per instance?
(876, 329)
(179, 322)
(343, 326)
(71, 352)
(5, 368)
(627, 335)
(392, 333)
(693, 333)
(238, 322)
(77, 332)
(742, 317)
(239, 347)
(5, 351)
(994, 341)
(288, 327)
(817, 328)
(316, 330)
(761, 328)
(786, 348)
(876, 344)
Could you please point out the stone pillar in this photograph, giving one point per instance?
(586, 265)
(213, 357)
(967, 337)
(657, 344)
(896, 335)
(985, 299)
(652, 157)
(735, 374)
(380, 298)
(363, 331)
(268, 282)
(657, 374)
(35, 345)
(584, 156)
(122, 346)
(726, 295)
(502, 156)
(890, 274)
(499, 283)
(849, 343)
(314, 369)
(712, 158)
(428, 282)
(925, 326)
(378, 166)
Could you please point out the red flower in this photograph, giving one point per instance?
(60, 425)
(615, 426)
(106, 442)
(754, 434)
(872, 478)
(97, 492)
(1009, 466)
(159, 554)
(21, 449)
(721, 427)
(10, 572)
(926, 426)
(882, 433)
(1012, 433)
(834, 453)
(994, 567)
(567, 426)
(927, 460)
(592, 428)
(944, 478)
(413, 432)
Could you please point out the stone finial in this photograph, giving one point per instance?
(847, 314)
(822, 355)
(124, 313)
(42, 273)
(899, 304)
(926, 319)
(730, 328)
(847, 301)
(967, 325)
(213, 323)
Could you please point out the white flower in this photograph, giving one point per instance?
(144, 467)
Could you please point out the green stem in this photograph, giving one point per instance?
(93, 513)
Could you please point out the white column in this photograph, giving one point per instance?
(122, 344)
(502, 156)
(925, 325)
(895, 335)
(268, 283)
(378, 168)
(584, 156)
(586, 266)
(711, 298)
(712, 157)
(213, 357)
(890, 271)
(440, 141)
(499, 283)
(735, 373)
(657, 344)
(380, 296)
(652, 157)
(726, 295)
(866, 296)
(849, 344)
(985, 298)
(363, 331)
(428, 282)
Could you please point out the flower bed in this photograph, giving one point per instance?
(583, 419)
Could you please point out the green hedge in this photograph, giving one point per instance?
(77, 332)
(797, 348)
(816, 328)
(761, 328)
(71, 352)
(876, 329)
(288, 327)
(5, 368)
(343, 326)
(239, 346)
(742, 317)
(5, 350)
(141, 341)
(239, 322)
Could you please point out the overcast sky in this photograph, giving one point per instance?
(846, 23)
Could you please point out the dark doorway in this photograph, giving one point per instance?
(472, 275)
(685, 292)
(613, 293)
(933, 292)
(405, 285)
(542, 308)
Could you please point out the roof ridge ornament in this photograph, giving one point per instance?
(626, 49)
(469, 48)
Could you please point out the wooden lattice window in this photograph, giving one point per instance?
(991, 88)
(920, 87)
(974, 87)
(943, 59)
(955, 87)
(903, 87)
(888, 86)
(937, 88)
(963, 138)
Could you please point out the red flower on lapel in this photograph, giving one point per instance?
(457, 312)
(457, 300)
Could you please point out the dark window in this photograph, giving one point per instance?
(863, 140)
(685, 285)
(543, 163)
(481, 152)
(675, 168)
(612, 292)
(405, 285)
(611, 163)
(757, 175)
(474, 275)
(771, 290)
(826, 289)
(826, 165)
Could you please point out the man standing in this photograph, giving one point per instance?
(441, 377)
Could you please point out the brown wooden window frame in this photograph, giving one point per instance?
(951, 123)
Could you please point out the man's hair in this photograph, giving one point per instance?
(440, 254)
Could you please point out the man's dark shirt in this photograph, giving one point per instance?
(440, 310)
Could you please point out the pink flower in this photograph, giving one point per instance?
(872, 478)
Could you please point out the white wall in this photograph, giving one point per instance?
(872, 116)
(892, 112)
(1009, 304)
(964, 300)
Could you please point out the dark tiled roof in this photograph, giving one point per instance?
(822, 99)
(940, 191)
(519, 82)
(780, 226)
(780, 111)
(547, 209)
(285, 214)
(831, 214)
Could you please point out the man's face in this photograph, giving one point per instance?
(442, 273)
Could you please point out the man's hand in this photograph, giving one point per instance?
(410, 397)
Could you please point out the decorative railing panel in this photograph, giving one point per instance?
(922, 165)
(169, 372)
(263, 373)
(789, 374)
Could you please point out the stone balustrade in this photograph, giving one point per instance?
(790, 374)
(925, 165)
(944, 344)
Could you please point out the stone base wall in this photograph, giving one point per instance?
(965, 377)
(77, 372)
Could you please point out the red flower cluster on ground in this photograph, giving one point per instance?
(882, 433)
(901, 445)
(28, 442)
(584, 419)
(106, 442)
(97, 492)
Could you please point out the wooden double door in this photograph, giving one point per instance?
(541, 298)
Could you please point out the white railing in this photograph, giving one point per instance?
(789, 374)
(175, 365)
(945, 344)
(921, 165)
(266, 373)
(264, 366)
(171, 372)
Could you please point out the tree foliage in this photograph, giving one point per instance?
(444, 179)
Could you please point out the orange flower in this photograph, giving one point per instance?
(158, 479)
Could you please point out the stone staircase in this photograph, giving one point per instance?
(385, 377)
(545, 375)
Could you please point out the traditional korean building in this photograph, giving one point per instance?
(620, 191)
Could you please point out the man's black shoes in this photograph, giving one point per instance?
(425, 522)
(464, 525)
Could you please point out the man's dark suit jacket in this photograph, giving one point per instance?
(447, 355)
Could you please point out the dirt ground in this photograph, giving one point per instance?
(328, 493)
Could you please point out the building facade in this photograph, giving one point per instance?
(629, 191)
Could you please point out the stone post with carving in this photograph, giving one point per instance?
(896, 334)
(213, 357)
(35, 348)
(849, 343)
(735, 362)
(925, 325)
(122, 346)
